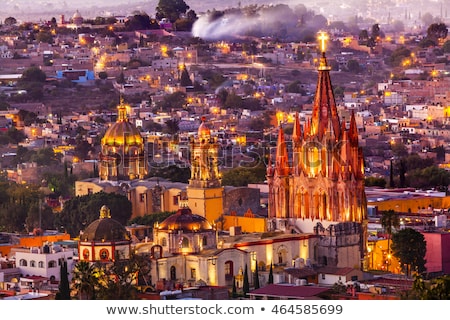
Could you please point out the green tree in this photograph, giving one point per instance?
(270, 280)
(33, 74)
(429, 177)
(256, 277)
(353, 66)
(242, 176)
(410, 247)
(434, 289)
(437, 31)
(234, 289)
(389, 221)
(398, 56)
(140, 21)
(375, 182)
(246, 284)
(64, 285)
(185, 79)
(151, 219)
(173, 173)
(446, 46)
(103, 75)
(44, 36)
(10, 21)
(171, 9)
(172, 126)
(85, 280)
(80, 211)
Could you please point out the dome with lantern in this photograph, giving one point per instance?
(105, 239)
(186, 221)
(184, 232)
(123, 153)
(77, 19)
(105, 229)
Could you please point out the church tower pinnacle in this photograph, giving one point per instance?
(322, 189)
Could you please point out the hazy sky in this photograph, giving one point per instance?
(46, 9)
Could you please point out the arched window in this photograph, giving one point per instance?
(52, 264)
(185, 243)
(86, 254)
(23, 263)
(173, 273)
(228, 270)
(156, 252)
(41, 264)
(104, 254)
(33, 264)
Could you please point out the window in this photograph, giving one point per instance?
(86, 254)
(163, 242)
(228, 268)
(33, 264)
(205, 241)
(142, 197)
(185, 243)
(52, 264)
(323, 276)
(23, 263)
(104, 254)
(173, 273)
(193, 273)
(41, 264)
(175, 200)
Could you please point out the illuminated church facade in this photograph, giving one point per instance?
(123, 154)
(316, 181)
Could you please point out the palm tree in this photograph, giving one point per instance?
(389, 221)
(84, 280)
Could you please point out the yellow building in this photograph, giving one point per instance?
(205, 192)
(123, 154)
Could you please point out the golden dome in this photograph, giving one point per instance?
(185, 220)
(122, 132)
(203, 130)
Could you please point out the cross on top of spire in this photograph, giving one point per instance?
(323, 37)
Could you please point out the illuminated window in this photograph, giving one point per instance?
(104, 254)
(86, 254)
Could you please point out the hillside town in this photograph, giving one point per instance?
(250, 167)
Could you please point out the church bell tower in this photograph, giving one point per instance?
(205, 191)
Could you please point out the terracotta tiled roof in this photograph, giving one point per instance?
(289, 291)
(335, 270)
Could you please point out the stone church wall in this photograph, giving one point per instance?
(241, 199)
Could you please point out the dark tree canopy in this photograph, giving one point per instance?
(80, 211)
(33, 74)
(171, 9)
(410, 247)
(437, 31)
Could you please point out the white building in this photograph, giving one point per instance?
(44, 261)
